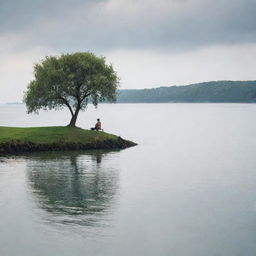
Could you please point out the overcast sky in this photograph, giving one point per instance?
(150, 43)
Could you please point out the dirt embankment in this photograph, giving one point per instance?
(18, 146)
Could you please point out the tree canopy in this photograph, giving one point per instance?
(71, 80)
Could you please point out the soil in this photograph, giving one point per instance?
(17, 146)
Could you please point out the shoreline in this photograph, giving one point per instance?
(21, 140)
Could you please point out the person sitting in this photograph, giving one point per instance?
(97, 126)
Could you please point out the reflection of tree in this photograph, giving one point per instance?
(73, 186)
(3, 159)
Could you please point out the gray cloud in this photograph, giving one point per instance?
(106, 25)
(19, 15)
(150, 43)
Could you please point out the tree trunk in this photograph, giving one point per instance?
(74, 118)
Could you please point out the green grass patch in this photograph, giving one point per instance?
(49, 135)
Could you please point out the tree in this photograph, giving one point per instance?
(71, 80)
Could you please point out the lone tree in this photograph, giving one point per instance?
(71, 80)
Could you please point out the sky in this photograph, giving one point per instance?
(149, 43)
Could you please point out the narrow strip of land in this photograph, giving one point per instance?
(16, 139)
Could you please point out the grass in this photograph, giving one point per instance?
(54, 134)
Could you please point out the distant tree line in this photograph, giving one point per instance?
(215, 91)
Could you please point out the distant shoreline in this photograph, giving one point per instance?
(207, 92)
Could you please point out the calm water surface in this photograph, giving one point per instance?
(189, 188)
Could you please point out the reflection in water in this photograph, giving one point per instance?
(73, 187)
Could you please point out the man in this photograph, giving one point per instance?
(97, 126)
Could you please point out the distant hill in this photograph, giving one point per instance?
(214, 91)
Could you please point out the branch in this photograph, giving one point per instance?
(67, 104)
(85, 95)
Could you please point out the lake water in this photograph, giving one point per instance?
(188, 188)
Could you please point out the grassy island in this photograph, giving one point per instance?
(15, 139)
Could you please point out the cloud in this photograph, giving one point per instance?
(173, 25)
(16, 67)
(150, 43)
(148, 69)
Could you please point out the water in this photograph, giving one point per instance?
(188, 188)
